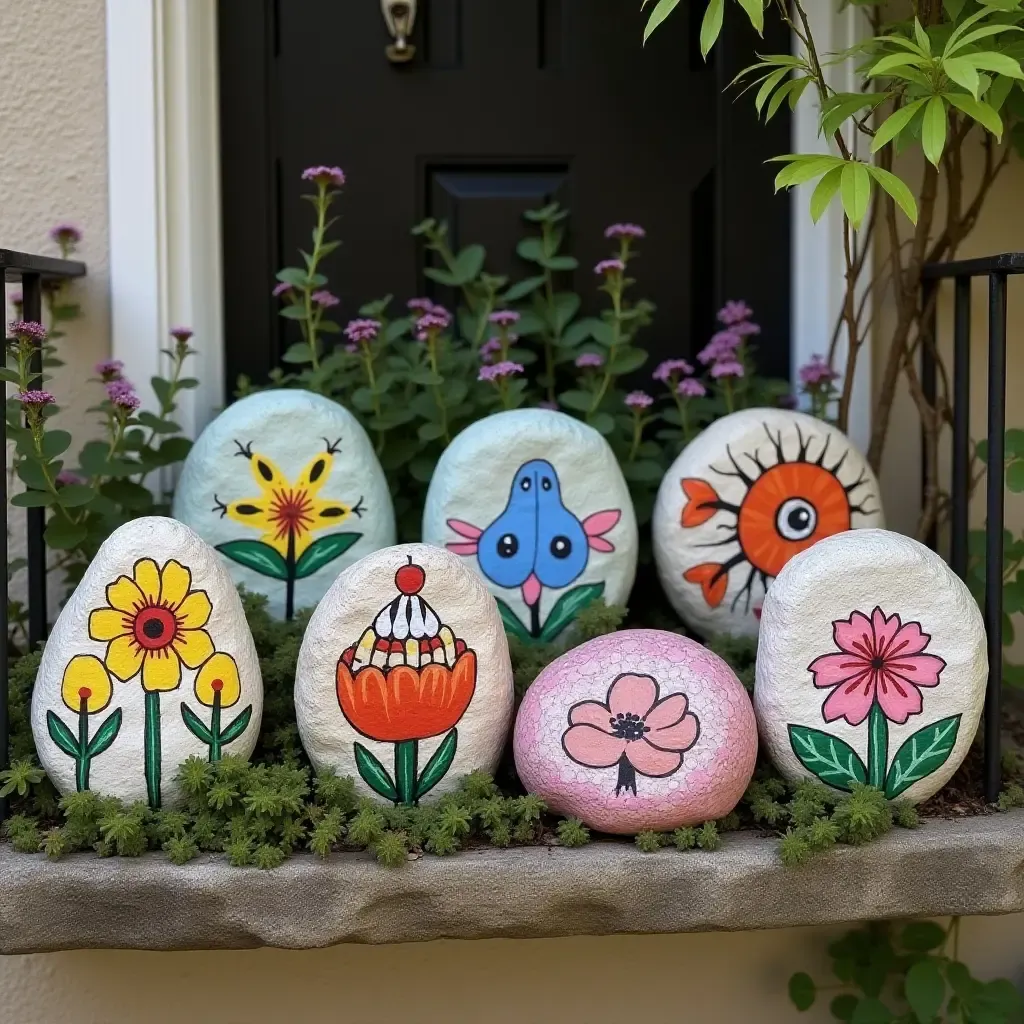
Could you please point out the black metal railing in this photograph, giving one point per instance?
(997, 269)
(33, 272)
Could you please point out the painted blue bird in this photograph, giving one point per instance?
(536, 542)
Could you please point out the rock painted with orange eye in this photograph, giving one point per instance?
(746, 495)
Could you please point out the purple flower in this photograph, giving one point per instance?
(722, 346)
(504, 317)
(109, 369)
(503, 369)
(362, 331)
(589, 360)
(420, 305)
(181, 334)
(816, 372)
(669, 368)
(325, 175)
(281, 288)
(609, 267)
(325, 299)
(436, 320)
(121, 393)
(28, 330)
(65, 477)
(733, 312)
(787, 401)
(351, 346)
(639, 400)
(66, 234)
(546, 404)
(745, 327)
(690, 387)
(35, 398)
(17, 298)
(489, 348)
(624, 231)
(727, 368)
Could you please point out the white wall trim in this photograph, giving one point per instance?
(818, 264)
(164, 179)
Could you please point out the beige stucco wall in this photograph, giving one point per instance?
(52, 167)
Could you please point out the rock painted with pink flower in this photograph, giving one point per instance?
(871, 666)
(640, 729)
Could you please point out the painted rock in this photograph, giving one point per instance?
(871, 666)
(404, 681)
(535, 502)
(150, 662)
(286, 485)
(640, 729)
(746, 495)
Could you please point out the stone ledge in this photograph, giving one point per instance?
(970, 866)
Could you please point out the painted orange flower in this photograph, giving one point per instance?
(154, 624)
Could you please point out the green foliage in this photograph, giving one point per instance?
(909, 974)
(741, 654)
(572, 832)
(648, 841)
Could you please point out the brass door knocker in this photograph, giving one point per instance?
(400, 18)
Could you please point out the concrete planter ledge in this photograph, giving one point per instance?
(969, 866)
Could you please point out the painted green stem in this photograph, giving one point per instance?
(82, 761)
(406, 752)
(152, 744)
(878, 745)
(215, 728)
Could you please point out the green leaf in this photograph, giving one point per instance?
(299, 353)
(438, 765)
(627, 360)
(32, 474)
(512, 624)
(1015, 476)
(855, 190)
(560, 262)
(824, 192)
(236, 726)
(293, 312)
(925, 989)
(105, 734)
(566, 306)
(294, 276)
(567, 607)
(933, 129)
(581, 401)
(661, 11)
(531, 249)
(972, 37)
(256, 555)
(895, 187)
(921, 36)
(711, 26)
(62, 534)
(374, 774)
(34, 499)
(1000, 63)
(127, 493)
(73, 495)
(769, 84)
(893, 62)
(802, 991)
(846, 105)
(895, 123)
(62, 735)
(871, 1011)
(323, 551)
(55, 442)
(978, 110)
(196, 725)
(174, 449)
(922, 936)
(843, 1007)
(603, 423)
(921, 754)
(829, 758)
(755, 12)
(962, 71)
(468, 264)
(523, 288)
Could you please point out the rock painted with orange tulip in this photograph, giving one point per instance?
(287, 487)
(150, 661)
(404, 680)
(748, 493)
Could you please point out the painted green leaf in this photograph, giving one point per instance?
(323, 551)
(105, 734)
(828, 757)
(237, 726)
(195, 725)
(374, 774)
(438, 765)
(567, 607)
(256, 555)
(920, 755)
(62, 735)
(512, 624)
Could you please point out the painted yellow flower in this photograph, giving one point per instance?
(218, 675)
(86, 682)
(154, 624)
(287, 513)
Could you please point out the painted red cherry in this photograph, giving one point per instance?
(410, 579)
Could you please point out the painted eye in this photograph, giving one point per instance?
(561, 547)
(525, 483)
(545, 482)
(508, 544)
(796, 519)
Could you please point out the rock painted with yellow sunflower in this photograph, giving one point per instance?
(287, 487)
(150, 661)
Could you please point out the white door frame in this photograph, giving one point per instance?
(165, 242)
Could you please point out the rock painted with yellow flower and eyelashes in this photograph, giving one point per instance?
(286, 485)
(150, 661)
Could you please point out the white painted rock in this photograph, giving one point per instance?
(150, 662)
(404, 681)
(286, 485)
(640, 729)
(746, 495)
(535, 502)
(871, 666)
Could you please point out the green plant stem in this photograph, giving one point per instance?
(167, 406)
(371, 379)
(311, 320)
(730, 402)
(152, 748)
(684, 417)
(638, 430)
(615, 289)
(82, 761)
(215, 728)
(438, 394)
(406, 752)
(878, 745)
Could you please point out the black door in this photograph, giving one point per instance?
(507, 104)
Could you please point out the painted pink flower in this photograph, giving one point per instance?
(882, 659)
(634, 730)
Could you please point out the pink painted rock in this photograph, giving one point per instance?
(640, 729)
